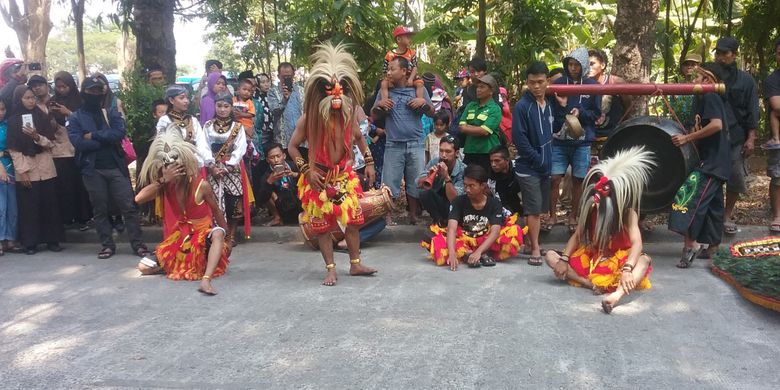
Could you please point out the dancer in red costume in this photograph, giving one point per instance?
(328, 188)
(193, 248)
(605, 251)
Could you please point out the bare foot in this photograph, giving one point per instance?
(360, 270)
(275, 221)
(598, 290)
(609, 302)
(206, 288)
(330, 278)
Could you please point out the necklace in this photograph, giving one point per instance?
(222, 125)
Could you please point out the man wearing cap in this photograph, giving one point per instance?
(463, 81)
(480, 124)
(12, 74)
(742, 121)
(683, 104)
(177, 119)
(96, 133)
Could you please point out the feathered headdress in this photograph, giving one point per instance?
(330, 95)
(611, 187)
(168, 147)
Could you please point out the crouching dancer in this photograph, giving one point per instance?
(193, 248)
(605, 251)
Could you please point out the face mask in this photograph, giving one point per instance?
(92, 102)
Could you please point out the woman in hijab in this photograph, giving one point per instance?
(216, 84)
(30, 137)
(71, 194)
(66, 98)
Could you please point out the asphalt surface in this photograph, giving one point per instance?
(69, 320)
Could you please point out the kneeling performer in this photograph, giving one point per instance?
(327, 186)
(605, 252)
(193, 248)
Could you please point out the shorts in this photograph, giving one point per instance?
(773, 166)
(739, 172)
(698, 208)
(536, 194)
(578, 156)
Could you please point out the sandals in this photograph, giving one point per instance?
(535, 260)
(105, 253)
(688, 255)
(774, 228)
(487, 261)
(142, 251)
(730, 228)
(572, 228)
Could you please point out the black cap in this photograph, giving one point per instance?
(727, 44)
(35, 79)
(92, 82)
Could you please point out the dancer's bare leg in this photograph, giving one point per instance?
(552, 258)
(356, 268)
(638, 273)
(215, 253)
(326, 248)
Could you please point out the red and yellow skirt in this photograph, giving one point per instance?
(604, 274)
(337, 204)
(508, 244)
(184, 253)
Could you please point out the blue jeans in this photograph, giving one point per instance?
(371, 230)
(403, 160)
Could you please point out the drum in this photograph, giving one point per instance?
(673, 164)
(374, 203)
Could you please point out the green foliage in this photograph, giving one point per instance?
(137, 96)
(100, 48)
(223, 48)
(760, 275)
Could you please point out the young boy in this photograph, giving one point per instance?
(403, 38)
(441, 122)
(474, 229)
(244, 106)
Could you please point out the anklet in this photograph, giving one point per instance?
(355, 261)
(330, 266)
(206, 277)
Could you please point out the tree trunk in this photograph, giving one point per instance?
(32, 28)
(481, 30)
(78, 18)
(635, 35)
(153, 30)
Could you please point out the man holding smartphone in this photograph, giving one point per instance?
(286, 104)
(278, 189)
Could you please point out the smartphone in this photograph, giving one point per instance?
(27, 120)
(279, 168)
(34, 66)
(288, 81)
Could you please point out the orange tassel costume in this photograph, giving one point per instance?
(183, 254)
(604, 270)
(507, 245)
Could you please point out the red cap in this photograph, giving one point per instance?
(402, 30)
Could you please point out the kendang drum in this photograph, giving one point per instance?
(374, 203)
(673, 164)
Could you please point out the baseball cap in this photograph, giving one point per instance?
(402, 30)
(727, 44)
(35, 80)
(489, 80)
(693, 57)
(92, 82)
(464, 73)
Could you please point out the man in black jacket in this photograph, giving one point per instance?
(96, 133)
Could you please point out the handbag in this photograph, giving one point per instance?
(127, 145)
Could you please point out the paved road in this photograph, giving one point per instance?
(71, 321)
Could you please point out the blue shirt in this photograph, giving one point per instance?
(456, 176)
(403, 124)
(6, 158)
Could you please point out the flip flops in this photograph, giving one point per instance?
(730, 228)
(688, 255)
(535, 260)
(487, 261)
